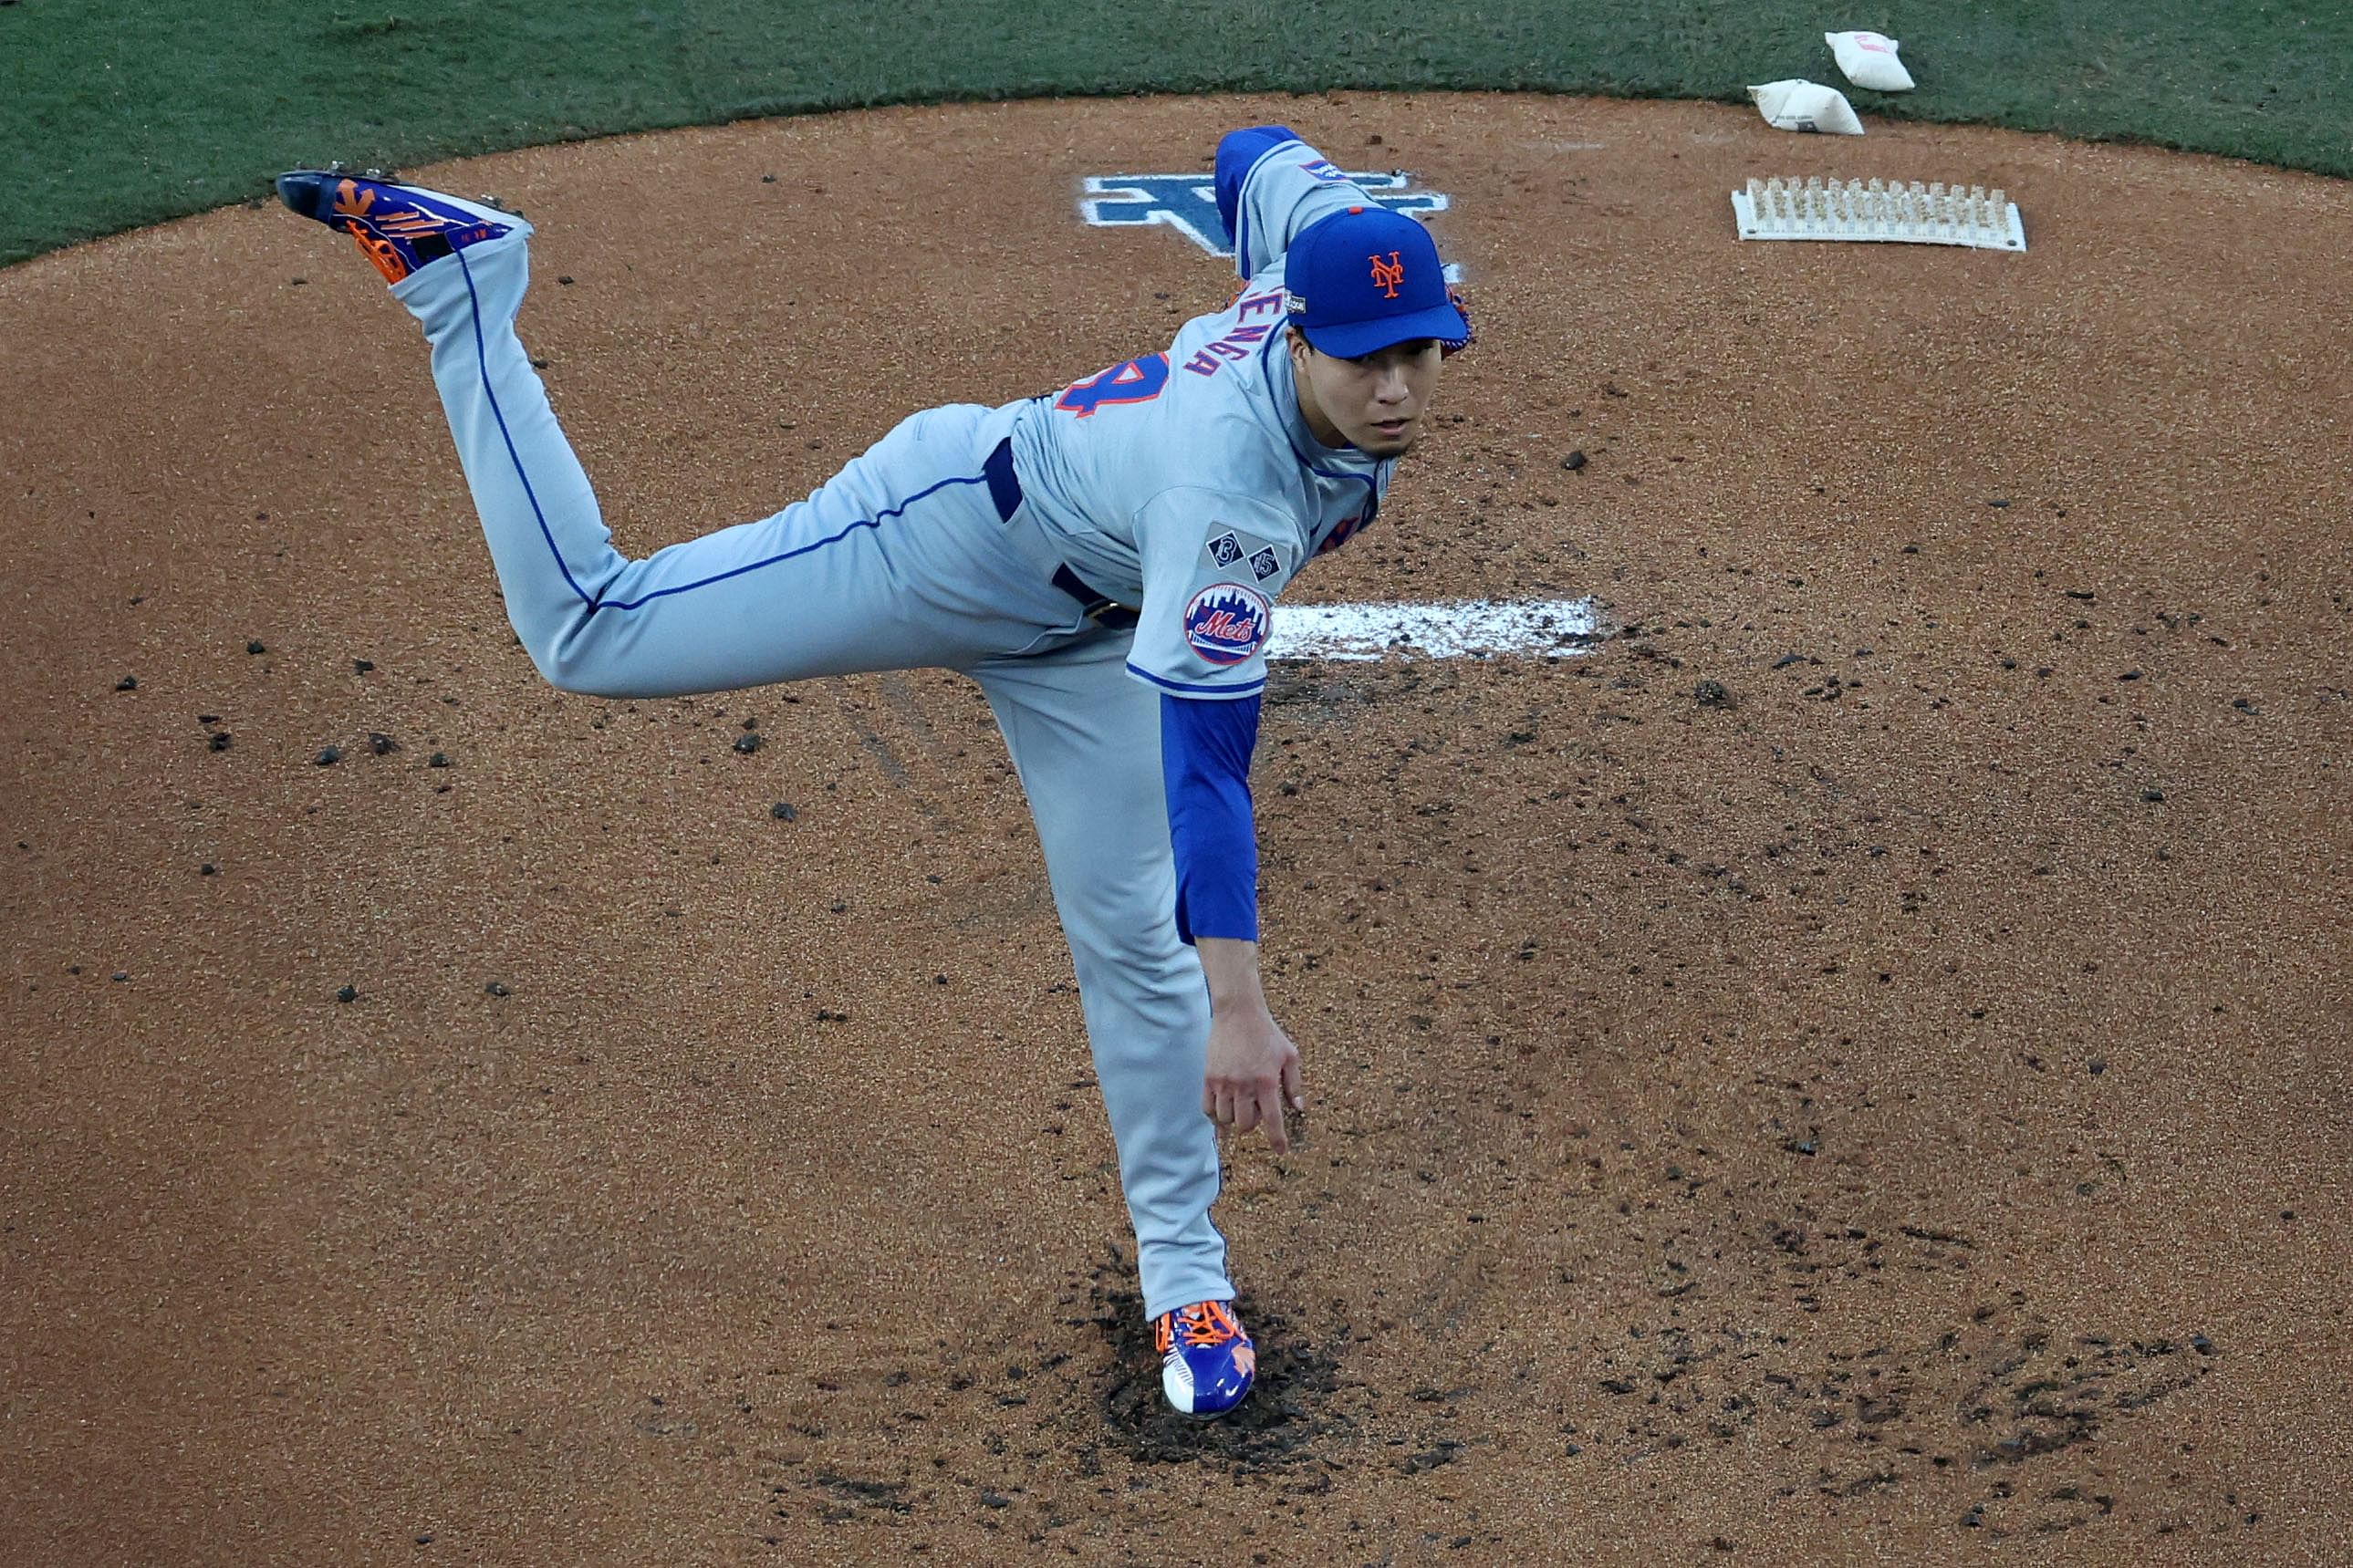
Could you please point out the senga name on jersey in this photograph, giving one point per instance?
(1236, 344)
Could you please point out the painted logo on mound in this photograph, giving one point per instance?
(1226, 623)
(1188, 202)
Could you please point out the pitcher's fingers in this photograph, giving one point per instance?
(1294, 1087)
(1278, 1136)
(1246, 1112)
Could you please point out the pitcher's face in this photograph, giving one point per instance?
(1376, 403)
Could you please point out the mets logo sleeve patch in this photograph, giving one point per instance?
(1226, 623)
(1212, 566)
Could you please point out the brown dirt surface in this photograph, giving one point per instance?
(1887, 1103)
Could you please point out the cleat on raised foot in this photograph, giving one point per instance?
(397, 227)
(1207, 1361)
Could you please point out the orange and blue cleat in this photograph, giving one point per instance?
(398, 228)
(1207, 1361)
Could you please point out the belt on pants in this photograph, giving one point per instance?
(1005, 491)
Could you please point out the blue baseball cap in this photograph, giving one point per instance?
(1360, 280)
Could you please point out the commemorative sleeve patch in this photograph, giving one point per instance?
(1213, 563)
(1226, 623)
(1230, 549)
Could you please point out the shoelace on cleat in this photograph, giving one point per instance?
(1203, 1323)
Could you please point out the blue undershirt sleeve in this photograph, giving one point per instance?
(1238, 153)
(1205, 757)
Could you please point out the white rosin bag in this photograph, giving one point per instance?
(1869, 60)
(1797, 105)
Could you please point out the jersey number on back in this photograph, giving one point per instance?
(1138, 381)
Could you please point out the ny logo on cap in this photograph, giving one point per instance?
(1388, 274)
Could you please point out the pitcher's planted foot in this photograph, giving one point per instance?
(1207, 1361)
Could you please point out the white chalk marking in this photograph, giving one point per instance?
(1462, 628)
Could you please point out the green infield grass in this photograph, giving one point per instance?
(123, 113)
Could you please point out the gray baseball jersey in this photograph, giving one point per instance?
(1187, 483)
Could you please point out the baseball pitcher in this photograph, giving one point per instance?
(1104, 559)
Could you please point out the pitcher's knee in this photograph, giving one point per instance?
(574, 658)
(564, 677)
(1161, 999)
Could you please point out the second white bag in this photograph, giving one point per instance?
(1869, 60)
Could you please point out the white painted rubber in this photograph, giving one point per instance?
(1471, 628)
